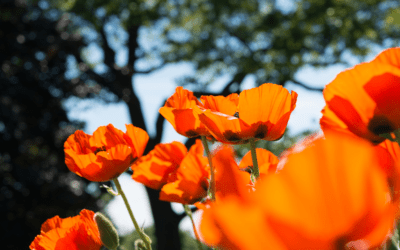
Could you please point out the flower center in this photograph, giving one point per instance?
(103, 148)
(380, 125)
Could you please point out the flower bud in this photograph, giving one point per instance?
(139, 245)
(108, 234)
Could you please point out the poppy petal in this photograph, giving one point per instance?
(277, 105)
(79, 163)
(187, 123)
(182, 99)
(220, 228)
(267, 161)
(191, 184)
(386, 97)
(229, 180)
(106, 154)
(225, 128)
(181, 110)
(338, 104)
(79, 143)
(182, 191)
(78, 232)
(108, 136)
(226, 105)
(113, 162)
(137, 139)
(342, 194)
(153, 169)
(371, 90)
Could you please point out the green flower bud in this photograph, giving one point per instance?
(108, 234)
(139, 245)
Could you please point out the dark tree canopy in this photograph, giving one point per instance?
(273, 42)
(35, 183)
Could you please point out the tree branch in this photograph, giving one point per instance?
(151, 70)
(159, 127)
(306, 86)
(238, 78)
(109, 54)
(183, 215)
(132, 45)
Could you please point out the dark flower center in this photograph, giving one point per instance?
(248, 169)
(380, 125)
(103, 148)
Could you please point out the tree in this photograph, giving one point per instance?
(36, 185)
(272, 43)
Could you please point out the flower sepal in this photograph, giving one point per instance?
(110, 190)
(108, 234)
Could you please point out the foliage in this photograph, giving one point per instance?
(271, 42)
(36, 185)
(251, 38)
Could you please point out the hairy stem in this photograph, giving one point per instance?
(212, 181)
(188, 211)
(256, 172)
(144, 237)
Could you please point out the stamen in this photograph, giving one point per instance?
(103, 148)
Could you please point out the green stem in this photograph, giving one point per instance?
(256, 172)
(189, 213)
(144, 237)
(212, 181)
(397, 135)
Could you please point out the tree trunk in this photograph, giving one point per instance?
(166, 221)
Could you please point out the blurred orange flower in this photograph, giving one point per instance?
(389, 152)
(365, 98)
(106, 154)
(267, 162)
(191, 182)
(229, 180)
(260, 113)
(392, 148)
(182, 176)
(73, 233)
(232, 205)
(181, 110)
(331, 195)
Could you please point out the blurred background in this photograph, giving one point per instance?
(68, 65)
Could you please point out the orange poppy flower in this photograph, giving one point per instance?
(75, 233)
(182, 176)
(232, 206)
(191, 182)
(181, 110)
(155, 169)
(390, 159)
(344, 204)
(260, 113)
(365, 98)
(267, 162)
(226, 105)
(106, 154)
(229, 180)
(392, 148)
